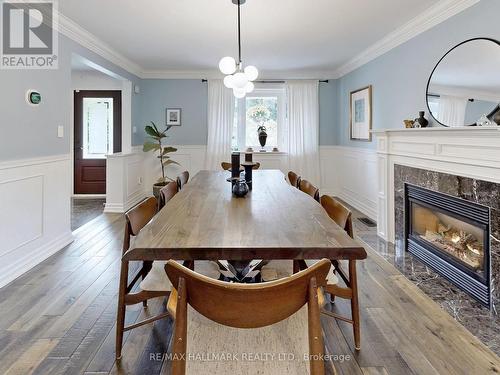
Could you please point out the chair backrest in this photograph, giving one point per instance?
(294, 179)
(137, 217)
(247, 305)
(309, 188)
(167, 193)
(182, 179)
(338, 213)
(226, 166)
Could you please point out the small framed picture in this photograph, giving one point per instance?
(361, 114)
(173, 117)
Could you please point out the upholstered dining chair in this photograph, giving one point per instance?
(182, 179)
(294, 179)
(266, 316)
(309, 188)
(167, 193)
(343, 217)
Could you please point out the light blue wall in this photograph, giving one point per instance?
(328, 109)
(399, 77)
(26, 131)
(191, 95)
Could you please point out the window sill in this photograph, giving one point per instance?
(267, 152)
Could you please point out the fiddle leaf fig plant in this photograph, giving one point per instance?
(154, 143)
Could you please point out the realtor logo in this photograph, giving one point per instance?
(29, 36)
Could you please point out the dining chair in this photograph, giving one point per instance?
(294, 179)
(197, 301)
(155, 282)
(227, 166)
(167, 193)
(343, 217)
(182, 179)
(135, 219)
(309, 188)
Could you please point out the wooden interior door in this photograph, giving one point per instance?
(98, 131)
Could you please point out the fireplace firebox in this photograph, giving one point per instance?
(452, 236)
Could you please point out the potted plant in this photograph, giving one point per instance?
(154, 143)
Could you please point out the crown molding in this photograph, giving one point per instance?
(214, 74)
(426, 20)
(72, 30)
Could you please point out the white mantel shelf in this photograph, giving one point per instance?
(463, 151)
(471, 129)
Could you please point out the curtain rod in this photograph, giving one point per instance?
(438, 96)
(273, 81)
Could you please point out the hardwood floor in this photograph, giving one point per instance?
(59, 318)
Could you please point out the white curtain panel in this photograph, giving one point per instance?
(303, 129)
(452, 110)
(220, 124)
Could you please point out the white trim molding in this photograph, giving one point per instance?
(467, 151)
(426, 20)
(72, 30)
(35, 215)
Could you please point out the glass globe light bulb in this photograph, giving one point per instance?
(240, 80)
(249, 87)
(227, 65)
(251, 73)
(239, 93)
(228, 81)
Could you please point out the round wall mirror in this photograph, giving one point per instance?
(464, 87)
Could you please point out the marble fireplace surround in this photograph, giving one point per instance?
(462, 162)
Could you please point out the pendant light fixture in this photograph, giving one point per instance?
(238, 78)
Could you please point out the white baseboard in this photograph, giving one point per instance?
(30, 260)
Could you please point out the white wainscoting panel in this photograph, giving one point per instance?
(125, 175)
(34, 212)
(350, 173)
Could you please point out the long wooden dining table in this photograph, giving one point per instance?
(205, 221)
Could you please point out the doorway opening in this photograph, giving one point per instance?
(99, 99)
(98, 132)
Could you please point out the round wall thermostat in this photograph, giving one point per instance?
(33, 97)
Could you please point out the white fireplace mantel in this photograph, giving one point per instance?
(466, 151)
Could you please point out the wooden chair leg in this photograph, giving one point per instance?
(179, 344)
(146, 267)
(355, 304)
(120, 318)
(316, 345)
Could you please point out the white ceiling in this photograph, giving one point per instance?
(296, 36)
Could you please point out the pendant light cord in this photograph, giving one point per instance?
(239, 35)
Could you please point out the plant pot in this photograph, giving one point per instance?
(157, 187)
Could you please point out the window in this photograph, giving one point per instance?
(433, 105)
(97, 127)
(262, 107)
